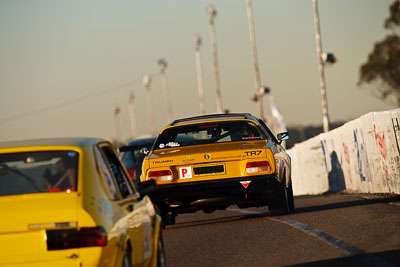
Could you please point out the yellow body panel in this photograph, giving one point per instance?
(26, 217)
(234, 156)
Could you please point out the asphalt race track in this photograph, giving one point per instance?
(328, 230)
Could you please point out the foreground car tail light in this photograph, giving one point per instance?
(76, 238)
(258, 166)
(164, 175)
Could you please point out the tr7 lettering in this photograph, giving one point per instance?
(253, 153)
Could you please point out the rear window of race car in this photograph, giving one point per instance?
(38, 172)
(208, 133)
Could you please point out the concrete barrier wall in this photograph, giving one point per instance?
(361, 156)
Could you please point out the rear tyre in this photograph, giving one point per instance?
(166, 217)
(169, 217)
(290, 198)
(278, 203)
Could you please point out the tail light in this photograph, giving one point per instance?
(164, 175)
(258, 166)
(131, 172)
(76, 238)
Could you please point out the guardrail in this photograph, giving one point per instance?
(361, 156)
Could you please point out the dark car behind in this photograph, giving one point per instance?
(132, 156)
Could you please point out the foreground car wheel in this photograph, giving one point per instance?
(278, 204)
(160, 253)
(127, 261)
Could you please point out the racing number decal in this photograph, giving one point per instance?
(253, 153)
(185, 172)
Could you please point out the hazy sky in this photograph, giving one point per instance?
(65, 64)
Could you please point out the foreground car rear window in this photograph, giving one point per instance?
(208, 133)
(38, 172)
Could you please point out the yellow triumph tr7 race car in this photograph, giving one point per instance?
(70, 202)
(210, 162)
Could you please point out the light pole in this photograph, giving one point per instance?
(132, 115)
(325, 116)
(212, 12)
(197, 42)
(259, 90)
(117, 125)
(163, 65)
(146, 83)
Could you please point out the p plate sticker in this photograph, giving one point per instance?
(185, 172)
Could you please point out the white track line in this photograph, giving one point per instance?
(347, 248)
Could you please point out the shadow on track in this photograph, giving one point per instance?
(373, 199)
(216, 220)
(347, 204)
(386, 258)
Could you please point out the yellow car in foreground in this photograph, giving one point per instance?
(70, 202)
(210, 162)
